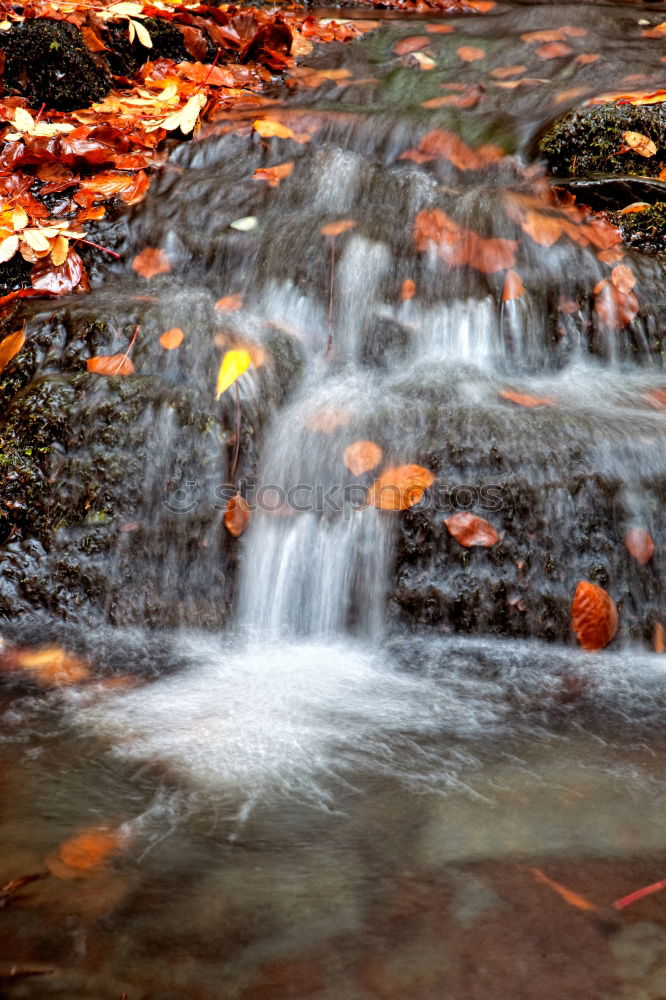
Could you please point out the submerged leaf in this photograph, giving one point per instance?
(400, 487)
(52, 665)
(86, 852)
(150, 262)
(362, 456)
(524, 399)
(594, 616)
(469, 529)
(171, 339)
(110, 364)
(572, 898)
(639, 544)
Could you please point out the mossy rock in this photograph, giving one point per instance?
(644, 230)
(47, 62)
(125, 57)
(587, 141)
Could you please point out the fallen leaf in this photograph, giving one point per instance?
(623, 278)
(469, 53)
(611, 256)
(233, 365)
(335, 228)
(586, 57)
(171, 339)
(362, 456)
(553, 50)
(523, 399)
(237, 515)
(85, 853)
(400, 487)
(273, 175)
(408, 290)
(10, 347)
(636, 206)
(513, 286)
(469, 529)
(150, 262)
(659, 638)
(614, 307)
(229, 303)
(657, 398)
(420, 59)
(641, 144)
(460, 247)
(268, 128)
(502, 72)
(543, 229)
(639, 544)
(52, 665)
(439, 29)
(8, 247)
(594, 616)
(110, 364)
(572, 898)
(246, 224)
(414, 43)
(327, 420)
(186, 117)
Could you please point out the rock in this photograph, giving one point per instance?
(47, 62)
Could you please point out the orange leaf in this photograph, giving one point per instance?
(659, 638)
(400, 487)
(611, 256)
(587, 57)
(171, 339)
(237, 515)
(594, 616)
(150, 262)
(362, 456)
(449, 146)
(513, 286)
(273, 175)
(52, 665)
(469, 529)
(522, 399)
(269, 128)
(87, 852)
(461, 247)
(641, 144)
(502, 72)
(114, 364)
(636, 206)
(543, 229)
(468, 53)
(412, 44)
(553, 50)
(639, 544)
(10, 347)
(614, 307)
(657, 398)
(623, 278)
(335, 228)
(572, 898)
(408, 290)
(439, 29)
(327, 420)
(229, 303)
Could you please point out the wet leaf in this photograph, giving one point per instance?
(572, 898)
(229, 303)
(659, 638)
(62, 280)
(408, 290)
(460, 247)
(328, 419)
(657, 398)
(245, 225)
(641, 144)
(269, 128)
(543, 229)
(8, 247)
(59, 250)
(171, 339)
(639, 544)
(86, 852)
(273, 175)
(469, 53)
(186, 117)
(362, 456)
(636, 206)
(449, 146)
(594, 616)
(513, 286)
(502, 72)
(52, 665)
(150, 262)
(110, 364)
(587, 57)
(336, 228)
(616, 308)
(623, 278)
(233, 365)
(10, 347)
(553, 50)
(414, 43)
(400, 487)
(523, 399)
(469, 529)
(237, 515)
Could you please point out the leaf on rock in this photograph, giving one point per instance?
(171, 339)
(524, 399)
(335, 228)
(233, 365)
(61, 280)
(639, 544)
(400, 487)
(10, 347)
(553, 50)
(469, 529)
(614, 307)
(273, 175)
(623, 278)
(460, 247)
(86, 852)
(408, 289)
(237, 515)
(572, 898)
(52, 665)
(594, 616)
(150, 262)
(362, 456)
(641, 144)
(659, 638)
(110, 364)
(414, 43)
(186, 117)
(229, 303)
(513, 286)
(469, 53)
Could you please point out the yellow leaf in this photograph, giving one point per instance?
(59, 250)
(234, 363)
(267, 128)
(142, 34)
(10, 346)
(19, 218)
(186, 117)
(8, 248)
(23, 120)
(640, 144)
(36, 240)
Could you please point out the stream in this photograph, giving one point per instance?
(345, 754)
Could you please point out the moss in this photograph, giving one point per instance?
(125, 57)
(587, 142)
(47, 62)
(644, 230)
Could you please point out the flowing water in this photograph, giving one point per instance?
(345, 792)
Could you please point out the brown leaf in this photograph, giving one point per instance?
(543, 229)
(274, 174)
(237, 515)
(502, 72)
(594, 616)
(10, 347)
(553, 50)
(639, 544)
(449, 146)
(150, 262)
(641, 144)
(113, 364)
(469, 53)
(587, 57)
(614, 307)
(335, 228)
(523, 399)
(171, 339)
(623, 278)
(460, 247)
(229, 303)
(469, 529)
(362, 456)
(46, 277)
(414, 43)
(400, 487)
(408, 290)
(659, 638)
(513, 286)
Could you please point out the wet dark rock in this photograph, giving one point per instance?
(47, 62)
(385, 342)
(125, 57)
(588, 141)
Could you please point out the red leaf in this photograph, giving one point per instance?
(469, 529)
(62, 280)
(594, 616)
